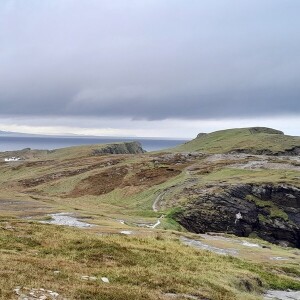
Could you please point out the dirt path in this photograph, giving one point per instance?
(186, 183)
(157, 200)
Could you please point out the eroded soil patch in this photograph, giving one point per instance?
(101, 183)
(32, 182)
(121, 177)
(153, 176)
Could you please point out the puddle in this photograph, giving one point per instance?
(149, 225)
(279, 258)
(282, 295)
(247, 244)
(155, 225)
(218, 238)
(67, 219)
(230, 240)
(203, 246)
(127, 232)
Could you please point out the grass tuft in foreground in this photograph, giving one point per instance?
(138, 268)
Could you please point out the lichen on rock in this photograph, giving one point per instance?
(270, 211)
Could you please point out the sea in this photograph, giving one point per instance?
(10, 143)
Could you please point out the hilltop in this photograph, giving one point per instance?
(254, 140)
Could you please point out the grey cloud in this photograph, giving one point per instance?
(150, 59)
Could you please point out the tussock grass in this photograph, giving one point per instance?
(137, 267)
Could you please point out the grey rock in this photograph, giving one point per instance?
(120, 148)
(282, 295)
(217, 212)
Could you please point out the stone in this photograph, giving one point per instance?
(92, 278)
(282, 295)
(238, 209)
(126, 232)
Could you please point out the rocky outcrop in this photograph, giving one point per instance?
(201, 134)
(120, 148)
(271, 212)
(294, 151)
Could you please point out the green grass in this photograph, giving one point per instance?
(137, 267)
(225, 141)
(274, 211)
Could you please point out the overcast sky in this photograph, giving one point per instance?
(149, 67)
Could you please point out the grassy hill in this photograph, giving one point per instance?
(120, 188)
(76, 151)
(256, 140)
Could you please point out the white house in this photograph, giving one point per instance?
(13, 158)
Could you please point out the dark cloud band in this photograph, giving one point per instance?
(150, 59)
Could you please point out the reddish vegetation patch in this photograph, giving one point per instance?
(31, 182)
(110, 175)
(101, 183)
(108, 180)
(39, 163)
(153, 176)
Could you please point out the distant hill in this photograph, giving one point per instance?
(17, 134)
(254, 140)
(98, 149)
(4, 133)
(77, 151)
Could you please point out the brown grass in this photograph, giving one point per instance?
(138, 268)
(101, 183)
(151, 176)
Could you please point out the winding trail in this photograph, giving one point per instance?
(187, 181)
(156, 201)
(160, 196)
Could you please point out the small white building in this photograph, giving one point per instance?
(13, 158)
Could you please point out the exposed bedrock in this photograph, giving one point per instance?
(294, 151)
(120, 148)
(272, 212)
